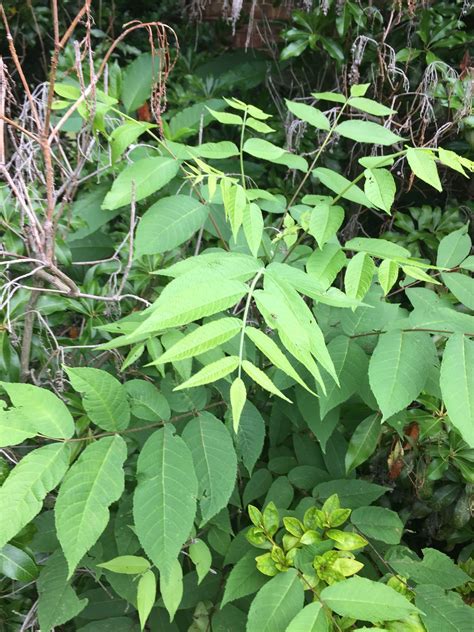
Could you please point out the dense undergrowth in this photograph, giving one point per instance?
(237, 356)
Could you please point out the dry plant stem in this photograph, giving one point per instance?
(28, 334)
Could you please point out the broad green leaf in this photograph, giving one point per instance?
(244, 579)
(258, 126)
(201, 557)
(235, 201)
(380, 188)
(292, 161)
(435, 568)
(171, 588)
(324, 265)
(262, 379)
(34, 411)
(22, 494)
(93, 483)
(142, 178)
(379, 248)
(309, 114)
(215, 462)
(276, 603)
(370, 107)
(443, 612)
(253, 227)
(250, 436)
(399, 367)
(146, 401)
(367, 132)
(169, 223)
(387, 273)
(359, 273)
(271, 350)
(457, 384)
(451, 160)
(359, 89)
(311, 619)
(454, 248)
(342, 186)
(126, 134)
(423, 164)
(420, 275)
(202, 339)
(363, 442)
(231, 265)
(126, 565)
(17, 565)
(146, 596)
(216, 151)
(360, 598)
(226, 118)
(57, 601)
(104, 398)
(462, 286)
(245, 107)
(138, 79)
(329, 96)
(211, 373)
(260, 148)
(378, 523)
(238, 397)
(188, 121)
(165, 498)
(324, 222)
(351, 365)
(352, 493)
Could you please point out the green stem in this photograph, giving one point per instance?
(245, 316)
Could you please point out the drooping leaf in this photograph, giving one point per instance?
(276, 603)
(169, 223)
(423, 165)
(201, 557)
(171, 588)
(238, 397)
(364, 599)
(250, 436)
(380, 248)
(104, 398)
(57, 601)
(215, 462)
(22, 494)
(262, 379)
(309, 114)
(34, 411)
(399, 367)
(93, 483)
(457, 384)
(387, 273)
(244, 579)
(367, 132)
(324, 222)
(342, 186)
(380, 188)
(253, 227)
(137, 80)
(165, 498)
(359, 273)
(139, 180)
(146, 596)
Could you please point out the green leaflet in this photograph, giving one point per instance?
(34, 411)
(359, 273)
(311, 619)
(380, 188)
(22, 494)
(171, 588)
(309, 114)
(324, 265)
(244, 579)
(380, 248)
(342, 186)
(139, 180)
(211, 373)
(370, 107)
(16, 564)
(435, 568)
(146, 596)
(169, 223)
(398, 369)
(443, 612)
(423, 165)
(202, 339)
(262, 379)
(269, 348)
(387, 273)
(454, 248)
(363, 442)
(146, 401)
(125, 135)
(57, 601)
(457, 384)
(367, 132)
(201, 557)
(104, 397)
(253, 227)
(127, 565)
(325, 221)
(365, 599)
(260, 148)
(93, 483)
(238, 397)
(231, 265)
(164, 503)
(137, 80)
(215, 462)
(276, 603)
